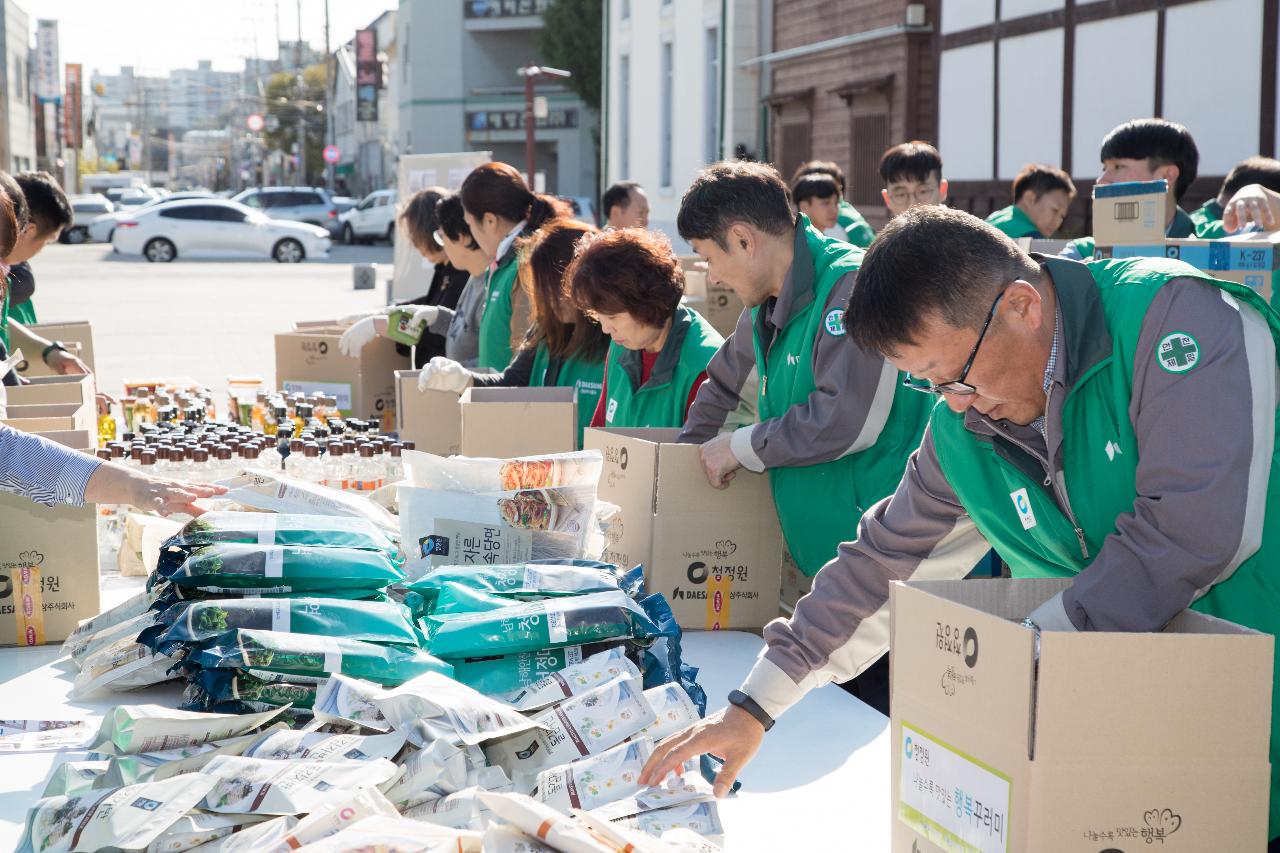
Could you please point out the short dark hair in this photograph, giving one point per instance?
(1254, 170)
(1038, 179)
(419, 218)
(735, 191)
(21, 212)
(453, 222)
(544, 258)
(618, 195)
(931, 260)
(821, 167)
(914, 159)
(49, 208)
(814, 186)
(499, 188)
(1159, 141)
(627, 271)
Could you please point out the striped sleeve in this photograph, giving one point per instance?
(42, 470)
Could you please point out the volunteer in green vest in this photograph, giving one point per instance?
(500, 209)
(836, 426)
(50, 213)
(1253, 171)
(912, 175)
(1041, 197)
(1148, 149)
(1111, 423)
(563, 348)
(818, 198)
(631, 283)
(851, 226)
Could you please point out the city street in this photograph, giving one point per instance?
(206, 319)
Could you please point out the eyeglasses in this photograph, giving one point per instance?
(921, 194)
(956, 387)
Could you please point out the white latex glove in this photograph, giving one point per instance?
(426, 315)
(374, 312)
(444, 374)
(353, 340)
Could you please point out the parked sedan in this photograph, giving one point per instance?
(374, 218)
(216, 227)
(101, 228)
(86, 208)
(300, 204)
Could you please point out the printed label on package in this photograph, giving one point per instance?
(467, 543)
(339, 390)
(952, 799)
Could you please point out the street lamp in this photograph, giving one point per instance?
(531, 73)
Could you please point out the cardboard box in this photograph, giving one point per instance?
(76, 337)
(51, 417)
(308, 360)
(1110, 742)
(508, 422)
(76, 439)
(430, 419)
(1130, 212)
(54, 389)
(714, 553)
(718, 304)
(1248, 259)
(56, 550)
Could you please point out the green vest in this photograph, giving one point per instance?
(855, 225)
(495, 313)
(24, 313)
(661, 401)
(586, 378)
(1102, 319)
(1207, 219)
(4, 316)
(819, 505)
(1014, 222)
(1181, 226)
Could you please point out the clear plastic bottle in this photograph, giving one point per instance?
(335, 466)
(365, 478)
(312, 469)
(394, 465)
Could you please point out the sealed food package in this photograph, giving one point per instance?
(684, 840)
(572, 680)
(385, 834)
(349, 701)
(274, 492)
(440, 528)
(596, 780)
(319, 746)
(266, 786)
(459, 810)
(701, 817)
(198, 621)
(267, 835)
(276, 568)
(299, 654)
(123, 665)
(234, 691)
(72, 777)
(152, 728)
(439, 767)
(91, 643)
(434, 706)
(522, 581)
(197, 827)
(538, 625)
(128, 818)
(673, 708)
(408, 795)
(269, 528)
(137, 767)
(584, 725)
(558, 831)
(126, 610)
(502, 675)
(479, 474)
(621, 838)
(332, 818)
(504, 838)
(169, 594)
(43, 735)
(687, 788)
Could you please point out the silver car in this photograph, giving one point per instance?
(86, 208)
(300, 204)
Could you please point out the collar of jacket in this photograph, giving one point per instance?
(665, 367)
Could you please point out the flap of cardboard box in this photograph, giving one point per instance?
(682, 486)
(53, 389)
(553, 394)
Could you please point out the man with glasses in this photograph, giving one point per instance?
(912, 175)
(836, 427)
(1112, 422)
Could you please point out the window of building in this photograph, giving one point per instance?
(868, 138)
(711, 96)
(668, 110)
(624, 116)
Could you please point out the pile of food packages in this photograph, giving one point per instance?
(358, 681)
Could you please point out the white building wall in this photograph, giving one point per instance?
(22, 120)
(1030, 101)
(965, 112)
(1106, 52)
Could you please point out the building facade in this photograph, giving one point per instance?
(660, 133)
(130, 120)
(367, 149)
(455, 69)
(200, 98)
(17, 90)
(1044, 80)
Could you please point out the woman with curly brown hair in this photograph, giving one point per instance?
(631, 283)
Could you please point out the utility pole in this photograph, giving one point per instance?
(530, 73)
(329, 78)
(302, 88)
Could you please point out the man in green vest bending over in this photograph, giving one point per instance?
(1111, 421)
(836, 424)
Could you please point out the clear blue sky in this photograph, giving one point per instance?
(157, 35)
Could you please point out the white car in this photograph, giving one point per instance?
(101, 228)
(215, 227)
(374, 218)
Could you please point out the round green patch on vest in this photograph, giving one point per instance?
(1177, 352)
(834, 322)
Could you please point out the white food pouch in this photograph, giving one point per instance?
(594, 781)
(673, 708)
(342, 699)
(263, 786)
(333, 818)
(154, 728)
(318, 746)
(435, 706)
(573, 680)
(507, 839)
(557, 831)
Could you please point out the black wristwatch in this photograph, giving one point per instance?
(746, 703)
(56, 345)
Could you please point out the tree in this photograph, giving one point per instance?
(289, 102)
(570, 38)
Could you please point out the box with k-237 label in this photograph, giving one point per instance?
(1085, 742)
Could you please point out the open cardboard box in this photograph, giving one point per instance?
(77, 337)
(1249, 259)
(718, 304)
(1111, 741)
(308, 360)
(714, 553)
(50, 417)
(54, 390)
(509, 422)
(430, 419)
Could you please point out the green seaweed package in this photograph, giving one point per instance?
(276, 568)
(169, 594)
(301, 654)
(535, 625)
(269, 528)
(501, 675)
(237, 691)
(524, 581)
(198, 621)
